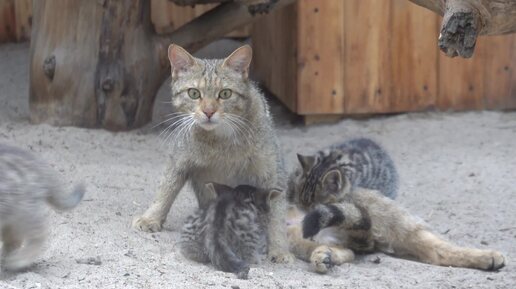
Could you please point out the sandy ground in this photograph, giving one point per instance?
(458, 173)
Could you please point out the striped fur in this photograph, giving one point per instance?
(349, 190)
(229, 140)
(231, 232)
(333, 172)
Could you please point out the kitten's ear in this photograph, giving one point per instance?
(180, 60)
(332, 181)
(307, 162)
(273, 194)
(240, 60)
(218, 189)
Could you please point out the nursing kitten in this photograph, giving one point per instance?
(221, 132)
(27, 185)
(231, 232)
(339, 169)
(348, 211)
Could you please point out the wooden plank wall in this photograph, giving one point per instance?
(377, 56)
(16, 18)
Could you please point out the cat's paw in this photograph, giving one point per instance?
(323, 258)
(147, 224)
(281, 257)
(494, 261)
(311, 224)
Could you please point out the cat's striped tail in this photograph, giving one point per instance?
(339, 214)
(63, 201)
(323, 216)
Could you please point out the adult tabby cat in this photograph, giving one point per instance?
(345, 191)
(231, 232)
(224, 135)
(27, 185)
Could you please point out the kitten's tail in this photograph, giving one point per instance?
(61, 201)
(223, 258)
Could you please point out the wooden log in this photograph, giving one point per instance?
(100, 64)
(253, 6)
(465, 20)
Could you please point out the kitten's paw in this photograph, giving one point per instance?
(146, 224)
(243, 274)
(281, 257)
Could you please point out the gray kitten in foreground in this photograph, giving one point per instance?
(27, 185)
(344, 194)
(221, 132)
(231, 232)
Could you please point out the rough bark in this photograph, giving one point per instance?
(100, 64)
(465, 20)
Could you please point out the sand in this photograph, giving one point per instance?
(458, 173)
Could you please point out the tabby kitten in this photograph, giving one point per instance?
(344, 192)
(334, 172)
(221, 132)
(26, 184)
(231, 232)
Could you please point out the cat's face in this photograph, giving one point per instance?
(316, 181)
(211, 94)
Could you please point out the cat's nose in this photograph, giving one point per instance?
(209, 113)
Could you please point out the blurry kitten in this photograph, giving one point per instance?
(343, 193)
(231, 232)
(221, 132)
(26, 186)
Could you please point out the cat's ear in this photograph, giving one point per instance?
(218, 189)
(307, 162)
(180, 60)
(273, 194)
(240, 60)
(332, 181)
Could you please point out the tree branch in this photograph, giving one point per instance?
(206, 28)
(465, 20)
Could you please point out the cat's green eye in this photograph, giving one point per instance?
(194, 93)
(225, 93)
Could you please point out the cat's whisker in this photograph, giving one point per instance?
(172, 125)
(243, 119)
(169, 119)
(184, 126)
(234, 131)
(240, 134)
(173, 128)
(248, 132)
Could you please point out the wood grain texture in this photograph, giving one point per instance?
(167, 16)
(23, 12)
(320, 56)
(274, 54)
(486, 81)
(376, 56)
(7, 21)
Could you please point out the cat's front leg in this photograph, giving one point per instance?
(176, 174)
(278, 242)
